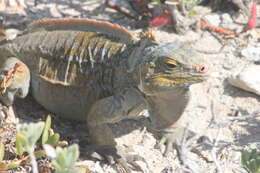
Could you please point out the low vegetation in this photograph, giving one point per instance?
(28, 148)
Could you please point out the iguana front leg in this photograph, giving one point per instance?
(166, 109)
(128, 103)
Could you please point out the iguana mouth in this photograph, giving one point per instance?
(176, 79)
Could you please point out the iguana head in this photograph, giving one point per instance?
(168, 66)
(166, 72)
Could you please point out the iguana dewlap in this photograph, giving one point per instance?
(98, 72)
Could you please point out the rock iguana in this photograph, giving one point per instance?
(100, 73)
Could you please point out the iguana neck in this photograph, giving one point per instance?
(166, 108)
(137, 56)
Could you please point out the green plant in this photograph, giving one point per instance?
(250, 160)
(63, 159)
(26, 138)
(7, 165)
(48, 136)
(155, 2)
(191, 2)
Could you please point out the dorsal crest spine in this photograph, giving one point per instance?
(83, 24)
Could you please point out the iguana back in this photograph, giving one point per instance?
(70, 69)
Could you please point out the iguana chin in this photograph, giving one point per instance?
(98, 72)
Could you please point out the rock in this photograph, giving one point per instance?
(213, 19)
(71, 12)
(54, 11)
(12, 33)
(12, 6)
(251, 53)
(226, 18)
(2, 113)
(248, 79)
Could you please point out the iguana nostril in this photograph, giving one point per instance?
(201, 68)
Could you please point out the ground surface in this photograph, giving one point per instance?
(233, 114)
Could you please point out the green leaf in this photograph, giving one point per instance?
(61, 157)
(244, 157)
(73, 153)
(20, 142)
(192, 14)
(47, 126)
(14, 164)
(53, 140)
(40, 153)
(2, 151)
(250, 160)
(64, 159)
(31, 133)
(156, 2)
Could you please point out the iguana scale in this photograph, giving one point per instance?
(98, 72)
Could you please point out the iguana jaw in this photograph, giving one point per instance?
(167, 81)
(176, 79)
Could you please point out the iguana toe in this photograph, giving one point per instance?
(173, 137)
(118, 157)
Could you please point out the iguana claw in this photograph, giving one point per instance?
(170, 137)
(167, 141)
(117, 156)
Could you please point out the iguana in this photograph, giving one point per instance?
(100, 73)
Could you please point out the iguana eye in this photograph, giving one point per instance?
(171, 65)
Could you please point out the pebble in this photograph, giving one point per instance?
(248, 79)
(251, 53)
(55, 12)
(226, 100)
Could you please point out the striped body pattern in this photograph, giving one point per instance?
(73, 67)
(70, 56)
